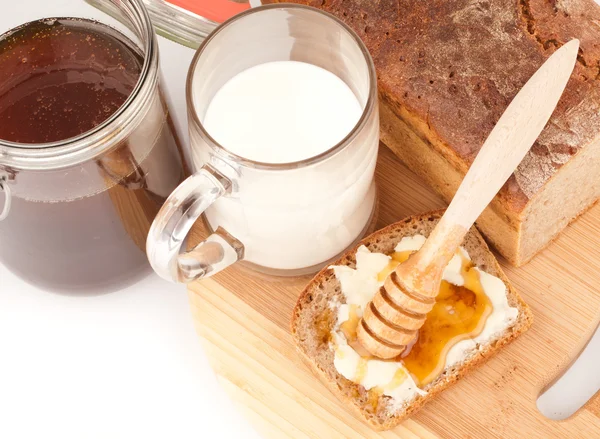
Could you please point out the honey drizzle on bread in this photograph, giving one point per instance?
(460, 313)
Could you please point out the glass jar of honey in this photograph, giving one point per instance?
(88, 152)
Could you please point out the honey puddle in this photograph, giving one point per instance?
(460, 313)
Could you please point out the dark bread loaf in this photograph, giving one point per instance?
(447, 69)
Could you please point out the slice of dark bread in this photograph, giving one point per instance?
(314, 318)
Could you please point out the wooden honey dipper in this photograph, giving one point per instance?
(391, 320)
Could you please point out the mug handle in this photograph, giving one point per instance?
(165, 246)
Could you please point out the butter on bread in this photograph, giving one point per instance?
(313, 320)
(446, 71)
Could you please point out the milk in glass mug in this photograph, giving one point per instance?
(284, 132)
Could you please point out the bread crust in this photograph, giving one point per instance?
(324, 288)
(449, 68)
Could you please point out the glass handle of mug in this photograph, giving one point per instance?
(166, 244)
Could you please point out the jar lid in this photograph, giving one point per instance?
(188, 22)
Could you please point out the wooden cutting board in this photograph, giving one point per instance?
(243, 321)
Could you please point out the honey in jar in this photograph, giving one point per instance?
(91, 154)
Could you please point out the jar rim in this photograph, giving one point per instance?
(80, 148)
(366, 112)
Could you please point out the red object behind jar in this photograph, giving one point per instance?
(216, 10)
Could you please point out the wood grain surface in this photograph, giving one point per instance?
(243, 321)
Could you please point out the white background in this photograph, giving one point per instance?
(129, 364)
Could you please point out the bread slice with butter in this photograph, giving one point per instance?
(315, 322)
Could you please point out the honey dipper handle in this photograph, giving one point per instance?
(409, 292)
(511, 138)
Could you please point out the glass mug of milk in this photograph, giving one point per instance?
(284, 132)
